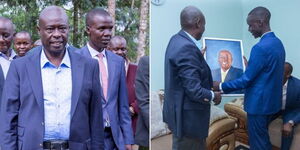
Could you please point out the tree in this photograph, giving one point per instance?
(143, 29)
(112, 11)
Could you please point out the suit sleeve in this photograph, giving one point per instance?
(256, 65)
(96, 117)
(190, 71)
(10, 105)
(125, 119)
(142, 90)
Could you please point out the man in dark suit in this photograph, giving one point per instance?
(262, 79)
(118, 45)
(290, 106)
(188, 84)
(226, 72)
(116, 116)
(51, 97)
(142, 93)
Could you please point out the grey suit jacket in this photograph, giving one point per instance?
(22, 106)
(142, 94)
(117, 99)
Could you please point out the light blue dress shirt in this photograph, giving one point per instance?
(5, 61)
(57, 91)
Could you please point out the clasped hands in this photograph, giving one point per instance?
(217, 99)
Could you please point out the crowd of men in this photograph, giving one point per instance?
(55, 96)
(270, 90)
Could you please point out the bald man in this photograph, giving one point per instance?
(52, 97)
(7, 31)
(188, 84)
(22, 43)
(262, 79)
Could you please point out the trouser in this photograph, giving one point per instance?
(109, 143)
(55, 145)
(258, 132)
(186, 143)
(143, 148)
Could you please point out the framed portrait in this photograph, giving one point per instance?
(225, 59)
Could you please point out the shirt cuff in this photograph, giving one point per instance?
(220, 87)
(212, 95)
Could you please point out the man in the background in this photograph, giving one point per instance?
(290, 106)
(142, 93)
(22, 43)
(118, 45)
(7, 54)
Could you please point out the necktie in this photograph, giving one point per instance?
(103, 74)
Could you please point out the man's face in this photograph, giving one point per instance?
(22, 44)
(100, 31)
(225, 60)
(6, 35)
(54, 30)
(255, 26)
(118, 46)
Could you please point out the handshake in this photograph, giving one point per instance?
(217, 99)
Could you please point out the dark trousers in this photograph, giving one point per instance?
(143, 148)
(258, 132)
(109, 143)
(185, 143)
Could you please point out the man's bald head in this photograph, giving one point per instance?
(7, 31)
(190, 16)
(94, 12)
(51, 11)
(192, 21)
(261, 13)
(118, 45)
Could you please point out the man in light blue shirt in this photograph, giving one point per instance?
(52, 97)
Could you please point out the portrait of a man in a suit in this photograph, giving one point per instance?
(226, 71)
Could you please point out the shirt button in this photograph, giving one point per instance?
(41, 145)
(42, 123)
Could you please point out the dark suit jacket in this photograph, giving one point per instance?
(233, 73)
(22, 109)
(142, 93)
(117, 99)
(1, 82)
(262, 78)
(188, 82)
(130, 78)
(292, 107)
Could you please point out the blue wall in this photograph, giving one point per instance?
(224, 19)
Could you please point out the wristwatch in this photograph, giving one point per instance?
(291, 122)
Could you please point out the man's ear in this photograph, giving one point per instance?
(39, 30)
(88, 30)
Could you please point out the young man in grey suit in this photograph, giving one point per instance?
(116, 116)
(188, 84)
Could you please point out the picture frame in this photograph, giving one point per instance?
(225, 59)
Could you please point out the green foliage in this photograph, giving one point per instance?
(24, 14)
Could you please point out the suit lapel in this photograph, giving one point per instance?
(77, 69)
(35, 77)
(111, 73)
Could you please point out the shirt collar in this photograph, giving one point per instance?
(12, 55)
(265, 33)
(198, 43)
(94, 52)
(64, 63)
(286, 83)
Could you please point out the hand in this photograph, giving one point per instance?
(216, 86)
(287, 129)
(203, 50)
(131, 110)
(217, 99)
(128, 147)
(245, 61)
